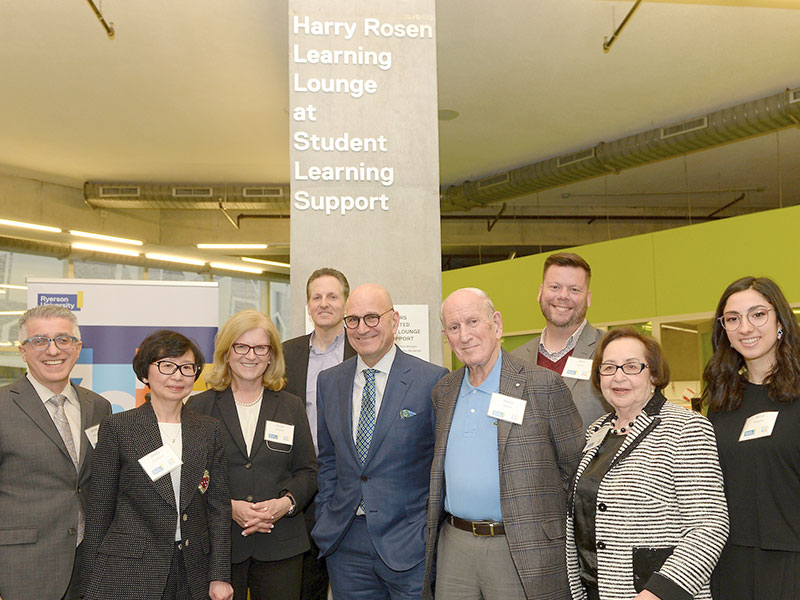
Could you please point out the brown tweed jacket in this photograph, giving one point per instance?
(537, 460)
(131, 520)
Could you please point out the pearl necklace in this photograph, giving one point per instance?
(249, 404)
(621, 430)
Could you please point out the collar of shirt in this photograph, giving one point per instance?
(337, 343)
(384, 365)
(571, 343)
(489, 385)
(45, 394)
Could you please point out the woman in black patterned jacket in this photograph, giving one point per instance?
(647, 517)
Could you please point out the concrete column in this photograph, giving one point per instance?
(364, 153)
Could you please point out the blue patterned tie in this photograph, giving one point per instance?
(366, 420)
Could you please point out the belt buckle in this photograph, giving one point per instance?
(491, 529)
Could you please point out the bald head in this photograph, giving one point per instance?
(371, 343)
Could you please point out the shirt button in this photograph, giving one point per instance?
(249, 498)
(472, 410)
(601, 545)
(602, 507)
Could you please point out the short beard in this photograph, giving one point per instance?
(574, 320)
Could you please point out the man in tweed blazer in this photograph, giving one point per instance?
(497, 504)
(41, 489)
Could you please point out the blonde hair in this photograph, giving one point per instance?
(218, 376)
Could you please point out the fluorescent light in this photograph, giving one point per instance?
(105, 238)
(12, 312)
(106, 249)
(675, 328)
(13, 287)
(30, 226)
(232, 246)
(2, 291)
(271, 263)
(242, 268)
(175, 259)
(8, 343)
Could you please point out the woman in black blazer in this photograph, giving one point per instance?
(271, 459)
(158, 513)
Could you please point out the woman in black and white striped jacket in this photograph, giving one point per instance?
(647, 517)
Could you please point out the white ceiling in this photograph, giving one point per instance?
(197, 90)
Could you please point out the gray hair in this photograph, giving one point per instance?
(47, 311)
(487, 302)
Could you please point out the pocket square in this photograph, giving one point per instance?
(407, 414)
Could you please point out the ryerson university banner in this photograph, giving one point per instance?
(114, 316)
(364, 153)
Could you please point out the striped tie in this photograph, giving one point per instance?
(65, 431)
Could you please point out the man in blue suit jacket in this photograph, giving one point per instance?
(376, 434)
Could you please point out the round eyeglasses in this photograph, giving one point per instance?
(629, 368)
(260, 350)
(370, 320)
(756, 316)
(62, 342)
(167, 367)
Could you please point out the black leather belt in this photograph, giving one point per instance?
(484, 528)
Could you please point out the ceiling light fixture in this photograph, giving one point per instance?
(105, 238)
(232, 246)
(175, 259)
(6, 313)
(272, 263)
(104, 249)
(30, 226)
(10, 286)
(230, 267)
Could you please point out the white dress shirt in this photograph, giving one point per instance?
(72, 408)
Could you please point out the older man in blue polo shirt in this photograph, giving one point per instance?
(508, 439)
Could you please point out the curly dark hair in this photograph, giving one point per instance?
(723, 376)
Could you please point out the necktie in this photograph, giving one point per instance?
(366, 420)
(64, 430)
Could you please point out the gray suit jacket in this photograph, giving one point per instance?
(537, 460)
(40, 492)
(591, 404)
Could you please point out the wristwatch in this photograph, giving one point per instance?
(293, 508)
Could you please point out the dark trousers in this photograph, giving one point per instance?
(315, 571)
(177, 587)
(268, 580)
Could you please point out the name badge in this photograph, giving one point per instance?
(577, 368)
(506, 408)
(597, 438)
(91, 434)
(280, 433)
(160, 462)
(759, 426)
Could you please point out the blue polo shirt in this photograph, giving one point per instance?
(471, 470)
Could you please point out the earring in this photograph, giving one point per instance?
(780, 332)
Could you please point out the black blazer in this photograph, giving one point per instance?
(268, 471)
(295, 354)
(130, 520)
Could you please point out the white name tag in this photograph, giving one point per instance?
(280, 433)
(759, 426)
(597, 438)
(160, 462)
(577, 368)
(506, 408)
(91, 434)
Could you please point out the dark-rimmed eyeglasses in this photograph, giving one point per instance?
(167, 367)
(629, 368)
(260, 350)
(62, 342)
(757, 316)
(370, 320)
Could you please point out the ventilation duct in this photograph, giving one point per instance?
(699, 133)
(180, 196)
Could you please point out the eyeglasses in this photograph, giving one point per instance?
(370, 320)
(260, 350)
(62, 342)
(756, 316)
(167, 367)
(629, 368)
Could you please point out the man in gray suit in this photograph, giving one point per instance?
(567, 343)
(508, 439)
(44, 461)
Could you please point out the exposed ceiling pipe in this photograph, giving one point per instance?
(706, 131)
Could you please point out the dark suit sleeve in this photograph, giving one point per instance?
(218, 510)
(566, 429)
(303, 467)
(326, 458)
(103, 496)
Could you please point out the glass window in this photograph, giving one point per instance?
(85, 269)
(279, 306)
(237, 294)
(165, 275)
